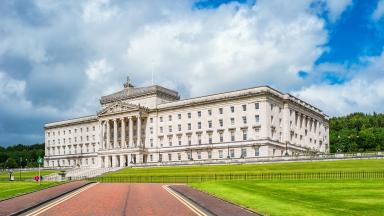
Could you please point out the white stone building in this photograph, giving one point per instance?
(151, 125)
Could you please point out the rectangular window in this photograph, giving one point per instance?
(179, 127)
(257, 118)
(160, 157)
(244, 119)
(243, 153)
(198, 125)
(198, 113)
(179, 116)
(221, 137)
(209, 154)
(244, 135)
(189, 140)
(244, 107)
(199, 155)
(170, 157)
(151, 141)
(232, 121)
(221, 110)
(179, 140)
(189, 126)
(209, 124)
(161, 118)
(199, 139)
(170, 118)
(210, 112)
(221, 122)
(170, 128)
(151, 158)
(151, 120)
(151, 130)
(189, 115)
(161, 129)
(220, 153)
(178, 156)
(232, 109)
(233, 136)
(210, 138)
(257, 106)
(232, 153)
(169, 141)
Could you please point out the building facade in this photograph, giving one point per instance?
(151, 125)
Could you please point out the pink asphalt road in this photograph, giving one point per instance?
(121, 199)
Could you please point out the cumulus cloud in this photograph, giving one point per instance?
(379, 11)
(336, 8)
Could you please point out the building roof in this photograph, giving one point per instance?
(131, 92)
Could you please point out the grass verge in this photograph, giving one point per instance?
(16, 188)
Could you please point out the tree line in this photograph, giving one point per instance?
(20, 155)
(357, 132)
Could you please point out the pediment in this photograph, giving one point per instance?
(118, 107)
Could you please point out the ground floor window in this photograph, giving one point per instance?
(160, 157)
(243, 153)
(199, 155)
(232, 153)
(220, 153)
(257, 152)
(169, 157)
(178, 156)
(209, 154)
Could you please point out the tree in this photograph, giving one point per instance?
(10, 163)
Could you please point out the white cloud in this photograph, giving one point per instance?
(336, 8)
(98, 11)
(379, 11)
(362, 93)
(98, 69)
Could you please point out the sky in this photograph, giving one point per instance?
(57, 58)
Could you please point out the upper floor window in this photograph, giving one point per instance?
(244, 107)
(199, 139)
(271, 106)
(87, 129)
(170, 118)
(233, 136)
(151, 120)
(189, 126)
(232, 109)
(244, 119)
(199, 113)
(221, 122)
(232, 121)
(209, 124)
(221, 136)
(257, 118)
(179, 116)
(93, 128)
(161, 129)
(179, 127)
(189, 115)
(221, 110)
(161, 118)
(170, 128)
(210, 112)
(244, 135)
(257, 106)
(198, 125)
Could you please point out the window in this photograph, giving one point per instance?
(179, 127)
(244, 119)
(87, 129)
(210, 138)
(199, 113)
(271, 106)
(151, 121)
(151, 130)
(161, 141)
(199, 139)
(198, 125)
(257, 118)
(69, 131)
(189, 140)
(160, 157)
(271, 119)
(93, 137)
(221, 137)
(170, 128)
(232, 109)
(64, 132)
(189, 115)
(75, 131)
(209, 124)
(189, 126)
(169, 141)
(161, 118)
(257, 152)
(161, 129)
(151, 158)
(232, 121)
(232, 153)
(243, 153)
(93, 128)
(244, 135)
(244, 107)
(221, 110)
(199, 155)
(179, 139)
(81, 130)
(220, 153)
(233, 136)
(179, 116)
(87, 138)
(151, 142)
(170, 118)
(221, 122)
(210, 112)
(209, 154)
(178, 156)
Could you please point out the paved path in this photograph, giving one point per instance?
(21, 203)
(121, 199)
(210, 203)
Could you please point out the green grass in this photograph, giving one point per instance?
(27, 175)
(11, 189)
(290, 198)
(289, 167)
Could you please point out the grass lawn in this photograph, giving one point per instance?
(289, 167)
(25, 175)
(10, 189)
(302, 197)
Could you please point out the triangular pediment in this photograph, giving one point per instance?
(118, 107)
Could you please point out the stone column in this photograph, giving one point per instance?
(130, 131)
(101, 129)
(108, 135)
(114, 133)
(138, 131)
(123, 144)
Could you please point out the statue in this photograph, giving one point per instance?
(128, 84)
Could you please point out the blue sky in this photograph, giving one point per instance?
(58, 57)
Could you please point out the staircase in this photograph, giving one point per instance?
(80, 173)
